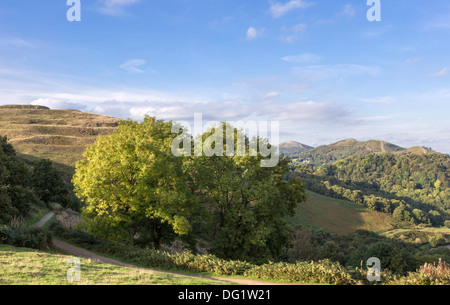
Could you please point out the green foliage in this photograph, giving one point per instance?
(15, 192)
(428, 274)
(36, 238)
(133, 185)
(413, 188)
(246, 202)
(49, 185)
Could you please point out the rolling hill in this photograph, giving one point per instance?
(58, 135)
(344, 149)
(291, 148)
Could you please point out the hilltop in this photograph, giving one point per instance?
(291, 148)
(344, 149)
(58, 135)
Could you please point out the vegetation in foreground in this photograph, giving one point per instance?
(23, 266)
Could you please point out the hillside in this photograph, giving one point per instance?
(344, 149)
(58, 135)
(338, 216)
(291, 148)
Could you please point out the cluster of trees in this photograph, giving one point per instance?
(413, 188)
(137, 191)
(22, 186)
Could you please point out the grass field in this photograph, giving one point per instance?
(22, 266)
(338, 216)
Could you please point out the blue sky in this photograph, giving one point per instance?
(319, 67)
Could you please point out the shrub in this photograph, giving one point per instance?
(428, 274)
(322, 272)
(36, 238)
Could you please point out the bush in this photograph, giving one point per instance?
(322, 272)
(428, 274)
(36, 238)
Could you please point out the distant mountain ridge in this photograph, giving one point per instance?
(291, 148)
(348, 148)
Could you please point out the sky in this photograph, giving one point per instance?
(318, 67)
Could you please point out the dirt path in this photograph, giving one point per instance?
(83, 253)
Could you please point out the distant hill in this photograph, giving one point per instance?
(344, 149)
(416, 150)
(291, 148)
(58, 135)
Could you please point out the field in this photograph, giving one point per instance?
(22, 266)
(338, 216)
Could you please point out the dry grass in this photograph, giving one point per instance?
(58, 135)
(338, 216)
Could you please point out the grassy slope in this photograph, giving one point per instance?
(24, 266)
(338, 216)
(58, 135)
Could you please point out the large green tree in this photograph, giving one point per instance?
(247, 203)
(133, 186)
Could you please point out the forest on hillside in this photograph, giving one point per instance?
(413, 188)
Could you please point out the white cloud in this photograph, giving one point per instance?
(115, 7)
(278, 9)
(443, 72)
(253, 33)
(271, 95)
(294, 32)
(305, 58)
(309, 111)
(349, 10)
(411, 61)
(336, 72)
(57, 104)
(133, 64)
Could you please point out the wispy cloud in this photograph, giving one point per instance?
(253, 33)
(115, 7)
(411, 61)
(305, 58)
(278, 9)
(294, 32)
(15, 42)
(336, 72)
(349, 10)
(133, 65)
(441, 73)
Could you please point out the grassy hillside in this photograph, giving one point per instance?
(25, 266)
(291, 148)
(58, 135)
(344, 149)
(338, 216)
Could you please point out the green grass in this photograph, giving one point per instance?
(22, 266)
(338, 216)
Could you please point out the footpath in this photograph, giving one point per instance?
(83, 253)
